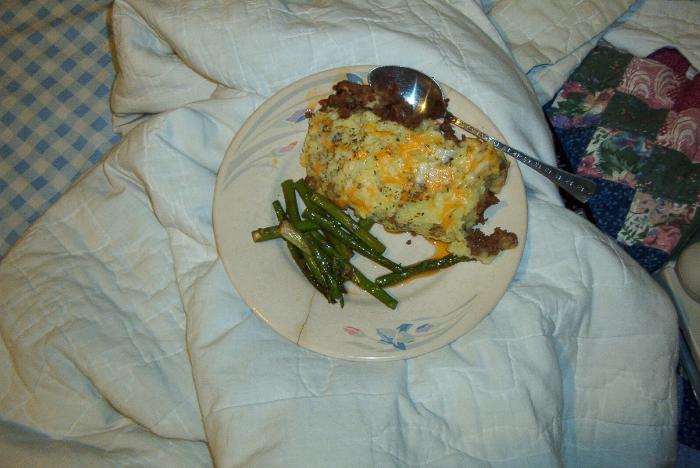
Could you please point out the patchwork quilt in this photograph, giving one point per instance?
(633, 125)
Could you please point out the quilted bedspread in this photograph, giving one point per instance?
(123, 342)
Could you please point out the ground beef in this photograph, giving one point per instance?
(391, 106)
(448, 131)
(489, 199)
(387, 103)
(348, 98)
(480, 243)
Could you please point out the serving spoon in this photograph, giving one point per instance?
(425, 96)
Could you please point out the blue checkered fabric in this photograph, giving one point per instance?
(55, 123)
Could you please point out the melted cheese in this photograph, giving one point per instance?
(407, 180)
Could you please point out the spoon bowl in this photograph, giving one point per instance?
(426, 98)
(419, 90)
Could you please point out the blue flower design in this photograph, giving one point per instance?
(297, 116)
(354, 78)
(398, 338)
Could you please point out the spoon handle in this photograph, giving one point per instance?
(579, 187)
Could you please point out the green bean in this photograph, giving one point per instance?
(340, 247)
(366, 223)
(279, 210)
(304, 261)
(332, 225)
(327, 270)
(294, 237)
(357, 277)
(290, 200)
(319, 265)
(323, 242)
(420, 267)
(273, 232)
(336, 274)
(374, 289)
(318, 262)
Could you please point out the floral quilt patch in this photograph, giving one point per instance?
(656, 222)
(615, 155)
(641, 118)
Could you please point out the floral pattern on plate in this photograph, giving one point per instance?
(409, 334)
(399, 337)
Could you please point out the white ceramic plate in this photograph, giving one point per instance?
(432, 311)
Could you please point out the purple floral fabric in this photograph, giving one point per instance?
(633, 125)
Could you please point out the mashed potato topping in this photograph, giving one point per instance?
(407, 175)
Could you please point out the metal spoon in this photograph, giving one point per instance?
(425, 96)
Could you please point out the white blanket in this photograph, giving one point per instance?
(549, 38)
(124, 342)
